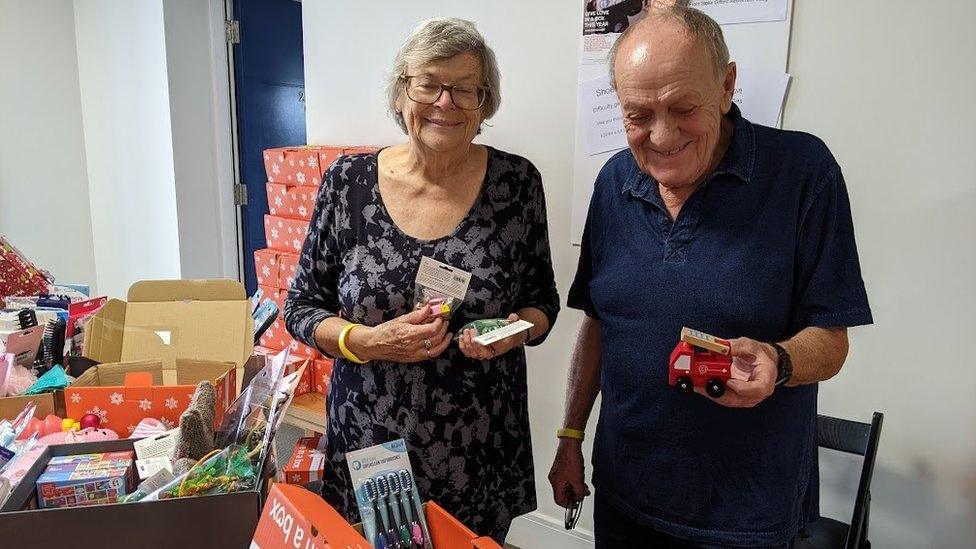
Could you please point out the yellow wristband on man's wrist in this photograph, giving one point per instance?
(342, 344)
(570, 433)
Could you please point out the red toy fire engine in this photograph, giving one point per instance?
(699, 360)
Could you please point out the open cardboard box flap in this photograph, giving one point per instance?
(166, 320)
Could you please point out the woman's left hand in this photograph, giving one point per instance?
(477, 351)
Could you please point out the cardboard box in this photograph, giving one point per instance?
(209, 521)
(285, 235)
(275, 269)
(361, 149)
(166, 320)
(322, 374)
(291, 201)
(154, 348)
(47, 403)
(123, 394)
(266, 267)
(299, 165)
(294, 363)
(307, 461)
(295, 517)
(287, 267)
(86, 479)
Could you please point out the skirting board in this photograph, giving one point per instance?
(537, 531)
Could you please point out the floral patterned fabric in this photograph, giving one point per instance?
(465, 421)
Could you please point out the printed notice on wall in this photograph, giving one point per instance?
(742, 11)
(760, 94)
(601, 116)
(604, 21)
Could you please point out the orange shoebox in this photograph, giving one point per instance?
(285, 235)
(291, 201)
(287, 267)
(294, 363)
(295, 517)
(307, 462)
(124, 394)
(299, 165)
(275, 269)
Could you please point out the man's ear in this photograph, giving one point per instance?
(728, 87)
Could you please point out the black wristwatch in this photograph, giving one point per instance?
(784, 364)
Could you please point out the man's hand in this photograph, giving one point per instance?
(566, 475)
(753, 374)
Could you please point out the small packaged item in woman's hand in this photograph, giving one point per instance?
(440, 305)
(483, 326)
(440, 287)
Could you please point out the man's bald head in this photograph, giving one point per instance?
(698, 26)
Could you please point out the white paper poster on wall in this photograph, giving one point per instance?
(604, 21)
(742, 11)
(600, 113)
(760, 94)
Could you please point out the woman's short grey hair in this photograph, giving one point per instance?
(441, 39)
(698, 24)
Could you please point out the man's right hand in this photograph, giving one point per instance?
(566, 475)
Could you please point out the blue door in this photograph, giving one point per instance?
(270, 88)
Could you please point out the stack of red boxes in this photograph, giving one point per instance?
(294, 177)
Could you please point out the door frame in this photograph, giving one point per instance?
(227, 174)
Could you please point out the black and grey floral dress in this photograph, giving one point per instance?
(465, 421)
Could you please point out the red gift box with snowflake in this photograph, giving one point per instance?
(299, 165)
(307, 462)
(291, 201)
(292, 365)
(275, 269)
(321, 375)
(124, 394)
(285, 235)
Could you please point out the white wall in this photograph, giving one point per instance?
(43, 176)
(128, 140)
(888, 85)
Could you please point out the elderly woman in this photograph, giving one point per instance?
(399, 371)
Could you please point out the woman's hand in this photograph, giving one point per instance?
(412, 337)
(477, 351)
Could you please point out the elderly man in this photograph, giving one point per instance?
(738, 230)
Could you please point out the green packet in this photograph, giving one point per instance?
(483, 326)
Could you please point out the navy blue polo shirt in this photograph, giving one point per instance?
(762, 249)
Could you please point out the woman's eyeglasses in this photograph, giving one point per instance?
(426, 91)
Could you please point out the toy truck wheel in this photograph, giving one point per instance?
(714, 388)
(684, 385)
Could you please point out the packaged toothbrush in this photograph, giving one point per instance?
(389, 504)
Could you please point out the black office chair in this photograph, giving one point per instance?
(852, 437)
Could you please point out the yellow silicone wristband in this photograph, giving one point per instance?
(570, 433)
(342, 344)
